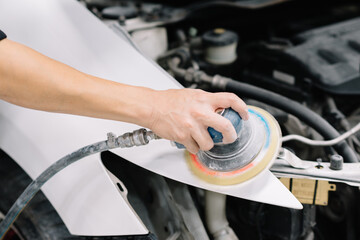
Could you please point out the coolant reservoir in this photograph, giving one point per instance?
(220, 46)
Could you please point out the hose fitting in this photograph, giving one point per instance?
(138, 137)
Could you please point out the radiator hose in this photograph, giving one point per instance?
(136, 138)
(305, 114)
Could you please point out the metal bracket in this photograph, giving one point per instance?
(292, 159)
(290, 166)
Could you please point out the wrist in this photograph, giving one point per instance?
(116, 101)
(143, 110)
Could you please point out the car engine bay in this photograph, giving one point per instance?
(298, 60)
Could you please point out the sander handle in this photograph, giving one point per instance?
(216, 136)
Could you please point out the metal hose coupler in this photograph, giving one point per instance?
(138, 137)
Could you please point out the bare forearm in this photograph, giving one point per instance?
(30, 79)
(35, 81)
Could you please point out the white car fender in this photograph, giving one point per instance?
(84, 194)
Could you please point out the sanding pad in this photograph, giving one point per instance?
(255, 153)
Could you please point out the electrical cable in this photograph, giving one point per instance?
(136, 138)
(311, 142)
(305, 114)
(300, 111)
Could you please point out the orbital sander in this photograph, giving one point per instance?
(254, 150)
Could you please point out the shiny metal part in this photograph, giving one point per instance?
(138, 137)
(150, 135)
(319, 171)
(331, 142)
(292, 159)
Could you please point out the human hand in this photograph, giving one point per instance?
(183, 116)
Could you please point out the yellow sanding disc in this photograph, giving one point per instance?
(262, 161)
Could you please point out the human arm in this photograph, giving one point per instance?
(32, 80)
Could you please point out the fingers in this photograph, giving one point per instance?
(203, 139)
(185, 115)
(196, 138)
(226, 100)
(191, 146)
(219, 123)
(222, 125)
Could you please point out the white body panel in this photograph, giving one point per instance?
(83, 194)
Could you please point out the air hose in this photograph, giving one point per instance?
(136, 138)
(300, 111)
(305, 114)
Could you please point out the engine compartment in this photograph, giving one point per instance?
(307, 52)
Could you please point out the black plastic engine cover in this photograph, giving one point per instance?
(332, 56)
(325, 58)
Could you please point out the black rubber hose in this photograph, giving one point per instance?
(36, 185)
(136, 138)
(306, 115)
